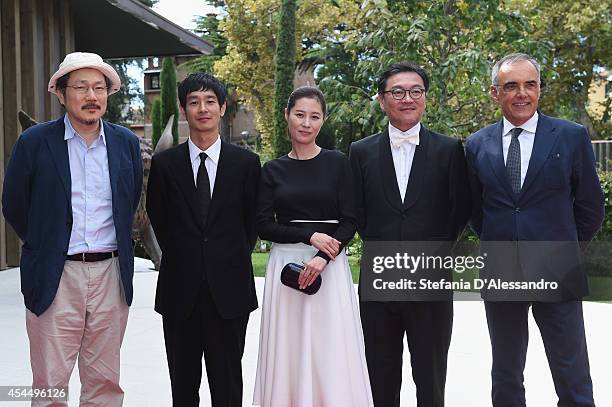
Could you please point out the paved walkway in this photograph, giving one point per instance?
(145, 380)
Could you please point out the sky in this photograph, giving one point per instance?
(181, 12)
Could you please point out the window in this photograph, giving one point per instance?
(155, 81)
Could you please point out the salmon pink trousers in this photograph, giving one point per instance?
(85, 322)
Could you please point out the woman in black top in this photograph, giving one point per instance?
(311, 349)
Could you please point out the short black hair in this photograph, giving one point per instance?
(62, 83)
(399, 68)
(200, 81)
(310, 92)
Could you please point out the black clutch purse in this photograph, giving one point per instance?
(290, 275)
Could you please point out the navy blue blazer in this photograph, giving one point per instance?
(561, 199)
(36, 202)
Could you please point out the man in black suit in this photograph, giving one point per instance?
(411, 185)
(201, 201)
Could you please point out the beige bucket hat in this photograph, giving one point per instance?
(79, 60)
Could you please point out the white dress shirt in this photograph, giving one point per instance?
(526, 138)
(403, 156)
(211, 161)
(93, 227)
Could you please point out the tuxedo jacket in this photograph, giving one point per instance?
(37, 202)
(560, 201)
(220, 250)
(436, 204)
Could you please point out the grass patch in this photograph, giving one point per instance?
(600, 289)
(260, 260)
(259, 264)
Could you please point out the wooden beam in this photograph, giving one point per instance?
(31, 84)
(2, 162)
(11, 95)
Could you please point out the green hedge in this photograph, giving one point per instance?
(605, 234)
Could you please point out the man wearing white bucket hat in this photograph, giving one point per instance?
(70, 192)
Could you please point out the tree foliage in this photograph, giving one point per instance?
(156, 121)
(350, 42)
(283, 80)
(455, 41)
(169, 98)
(580, 34)
(250, 27)
(207, 27)
(119, 107)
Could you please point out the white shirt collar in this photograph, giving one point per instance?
(530, 125)
(397, 138)
(212, 152)
(70, 132)
(411, 131)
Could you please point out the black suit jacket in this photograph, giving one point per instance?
(436, 204)
(220, 249)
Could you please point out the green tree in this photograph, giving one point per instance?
(169, 98)
(208, 28)
(347, 95)
(250, 28)
(156, 121)
(454, 40)
(284, 73)
(119, 107)
(579, 33)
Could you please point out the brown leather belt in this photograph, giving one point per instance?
(92, 257)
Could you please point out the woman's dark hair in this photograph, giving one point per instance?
(306, 92)
(201, 81)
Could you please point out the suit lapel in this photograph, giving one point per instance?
(387, 171)
(417, 171)
(113, 150)
(221, 186)
(545, 139)
(184, 179)
(59, 152)
(494, 151)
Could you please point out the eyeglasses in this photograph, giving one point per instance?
(82, 89)
(400, 94)
(513, 87)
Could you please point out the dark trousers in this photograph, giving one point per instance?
(428, 327)
(562, 329)
(221, 341)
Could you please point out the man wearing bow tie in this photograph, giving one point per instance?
(411, 185)
(533, 180)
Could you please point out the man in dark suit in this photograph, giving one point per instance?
(70, 192)
(411, 185)
(533, 179)
(201, 200)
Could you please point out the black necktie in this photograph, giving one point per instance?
(203, 187)
(513, 161)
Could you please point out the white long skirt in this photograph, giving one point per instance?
(311, 350)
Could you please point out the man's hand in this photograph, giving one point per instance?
(326, 244)
(312, 269)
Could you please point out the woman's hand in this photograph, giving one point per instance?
(312, 269)
(326, 244)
